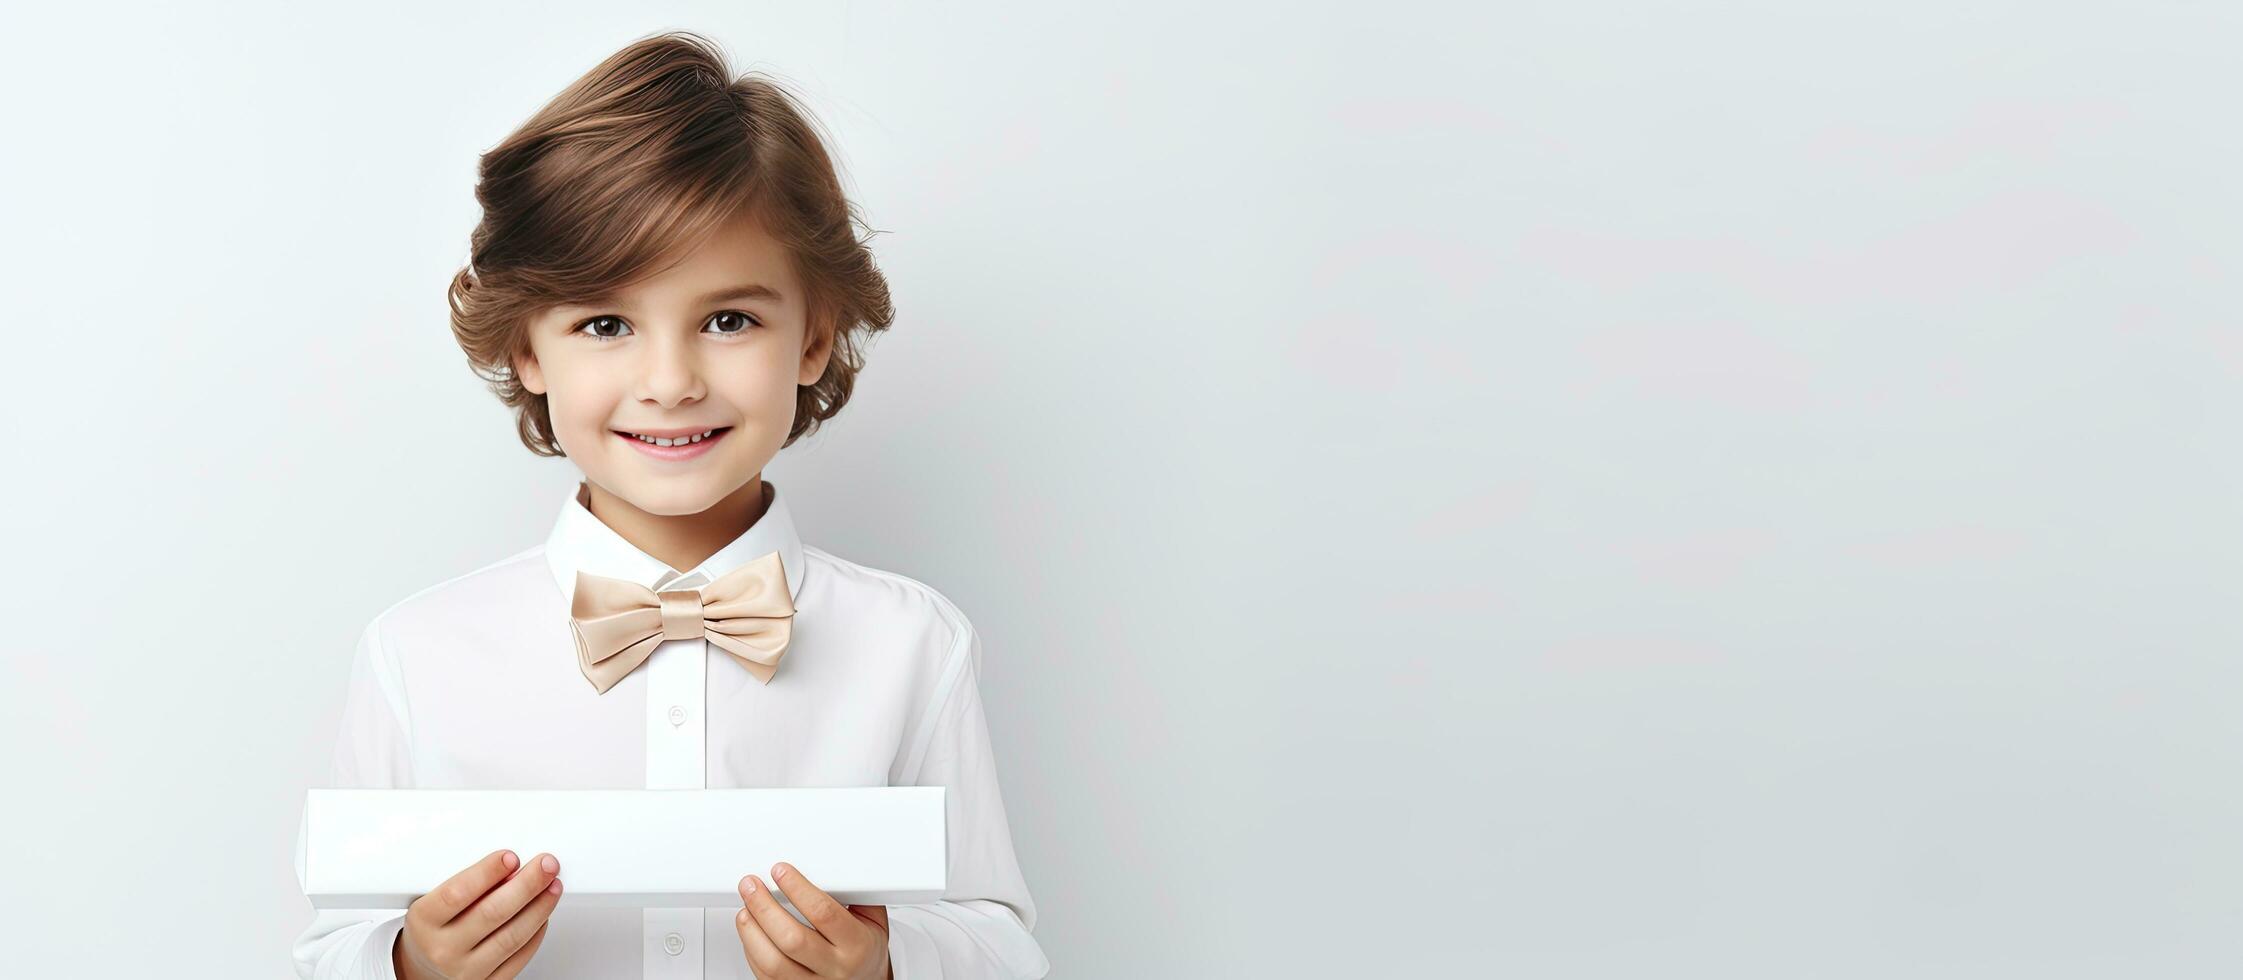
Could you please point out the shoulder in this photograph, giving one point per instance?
(912, 633)
(459, 604)
(889, 602)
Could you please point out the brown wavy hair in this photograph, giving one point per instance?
(649, 150)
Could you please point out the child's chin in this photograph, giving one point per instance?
(671, 496)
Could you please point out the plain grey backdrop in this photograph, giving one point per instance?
(1536, 490)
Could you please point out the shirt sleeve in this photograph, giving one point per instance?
(980, 928)
(372, 751)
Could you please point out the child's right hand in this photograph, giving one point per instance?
(480, 924)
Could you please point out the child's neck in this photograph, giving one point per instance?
(685, 540)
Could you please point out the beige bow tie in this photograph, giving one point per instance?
(618, 622)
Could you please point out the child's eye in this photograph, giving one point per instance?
(595, 321)
(735, 316)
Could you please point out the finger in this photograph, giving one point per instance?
(501, 904)
(509, 939)
(799, 943)
(831, 918)
(462, 889)
(514, 964)
(763, 956)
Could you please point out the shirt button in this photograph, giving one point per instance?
(677, 714)
(673, 944)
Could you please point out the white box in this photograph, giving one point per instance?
(645, 848)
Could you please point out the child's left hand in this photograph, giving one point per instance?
(849, 943)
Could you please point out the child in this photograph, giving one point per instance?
(665, 289)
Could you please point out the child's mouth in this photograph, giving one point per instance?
(683, 450)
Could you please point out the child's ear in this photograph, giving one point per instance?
(527, 372)
(814, 357)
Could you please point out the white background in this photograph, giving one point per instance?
(1536, 490)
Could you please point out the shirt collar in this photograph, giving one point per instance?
(583, 542)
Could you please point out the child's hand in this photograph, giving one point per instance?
(850, 942)
(467, 929)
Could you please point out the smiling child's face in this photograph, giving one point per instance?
(691, 349)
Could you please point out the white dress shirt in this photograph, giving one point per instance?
(473, 683)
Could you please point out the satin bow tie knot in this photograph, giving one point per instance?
(681, 614)
(746, 612)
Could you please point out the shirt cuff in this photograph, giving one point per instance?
(911, 952)
(378, 964)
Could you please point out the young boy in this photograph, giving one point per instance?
(665, 289)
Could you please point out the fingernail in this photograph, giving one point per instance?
(779, 870)
(510, 860)
(555, 887)
(753, 884)
(551, 866)
(742, 918)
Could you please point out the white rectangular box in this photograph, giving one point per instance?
(645, 848)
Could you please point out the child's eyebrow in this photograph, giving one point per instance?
(753, 290)
(728, 294)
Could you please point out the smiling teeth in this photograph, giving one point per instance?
(679, 441)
